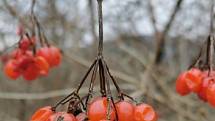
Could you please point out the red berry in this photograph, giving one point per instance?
(207, 74)
(42, 65)
(144, 112)
(81, 117)
(31, 73)
(98, 109)
(45, 53)
(205, 84)
(10, 69)
(211, 94)
(194, 79)
(62, 116)
(16, 53)
(125, 111)
(24, 44)
(24, 61)
(181, 86)
(42, 114)
(56, 56)
(51, 54)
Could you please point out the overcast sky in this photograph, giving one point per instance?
(190, 13)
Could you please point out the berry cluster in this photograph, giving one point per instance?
(200, 78)
(100, 108)
(32, 58)
(30, 63)
(200, 82)
(97, 112)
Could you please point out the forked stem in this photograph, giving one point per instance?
(109, 94)
(92, 82)
(85, 76)
(102, 78)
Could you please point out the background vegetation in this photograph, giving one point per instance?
(147, 44)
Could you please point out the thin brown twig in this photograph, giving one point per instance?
(161, 40)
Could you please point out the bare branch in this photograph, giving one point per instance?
(117, 74)
(162, 36)
(14, 13)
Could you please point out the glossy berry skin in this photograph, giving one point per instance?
(42, 65)
(207, 74)
(62, 116)
(42, 114)
(125, 111)
(24, 61)
(211, 94)
(181, 86)
(10, 69)
(144, 112)
(98, 108)
(205, 84)
(25, 44)
(45, 53)
(51, 54)
(31, 73)
(56, 56)
(81, 117)
(194, 79)
(15, 54)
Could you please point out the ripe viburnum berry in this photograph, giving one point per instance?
(125, 111)
(31, 72)
(42, 114)
(205, 84)
(98, 109)
(42, 65)
(16, 53)
(62, 116)
(24, 61)
(45, 53)
(211, 94)
(56, 56)
(194, 79)
(181, 86)
(144, 112)
(24, 44)
(208, 74)
(51, 54)
(10, 69)
(81, 117)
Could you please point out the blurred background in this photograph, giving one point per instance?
(147, 44)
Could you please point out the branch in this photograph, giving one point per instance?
(161, 38)
(117, 74)
(152, 16)
(14, 13)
